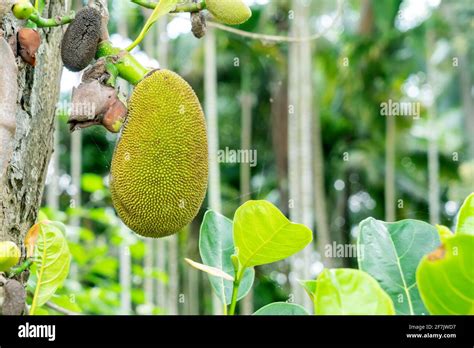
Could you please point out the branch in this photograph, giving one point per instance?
(188, 7)
(24, 10)
(60, 309)
(255, 36)
(51, 22)
(277, 38)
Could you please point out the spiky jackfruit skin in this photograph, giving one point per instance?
(230, 12)
(81, 39)
(160, 165)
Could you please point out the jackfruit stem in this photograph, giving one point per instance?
(127, 66)
(42, 22)
(188, 7)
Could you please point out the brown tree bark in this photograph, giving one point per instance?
(22, 184)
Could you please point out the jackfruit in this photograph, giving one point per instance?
(230, 12)
(158, 177)
(81, 39)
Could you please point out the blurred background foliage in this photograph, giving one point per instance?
(353, 73)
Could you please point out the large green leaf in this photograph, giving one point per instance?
(216, 247)
(465, 223)
(281, 308)
(391, 252)
(262, 234)
(52, 258)
(350, 292)
(446, 277)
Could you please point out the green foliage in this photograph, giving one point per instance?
(390, 252)
(52, 259)
(262, 234)
(216, 247)
(465, 223)
(282, 308)
(445, 277)
(350, 291)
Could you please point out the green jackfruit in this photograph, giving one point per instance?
(9, 255)
(160, 164)
(230, 12)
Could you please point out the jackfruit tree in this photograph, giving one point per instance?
(159, 170)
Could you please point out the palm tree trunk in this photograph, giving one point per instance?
(390, 200)
(245, 145)
(433, 156)
(210, 92)
(300, 143)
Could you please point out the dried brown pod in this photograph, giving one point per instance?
(94, 103)
(29, 41)
(80, 41)
(198, 24)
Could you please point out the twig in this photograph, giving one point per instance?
(60, 309)
(258, 36)
(187, 7)
(278, 38)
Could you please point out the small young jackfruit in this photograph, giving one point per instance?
(80, 41)
(159, 170)
(230, 12)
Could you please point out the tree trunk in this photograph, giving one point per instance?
(300, 144)
(22, 185)
(279, 113)
(433, 155)
(210, 91)
(390, 200)
(246, 101)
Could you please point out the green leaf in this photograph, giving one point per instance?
(465, 223)
(216, 272)
(444, 233)
(163, 8)
(350, 292)
(52, 258)
(310, 287)
(282, 308)
(391, 252)
(446, 277)
(263, 235)
(216, 247)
